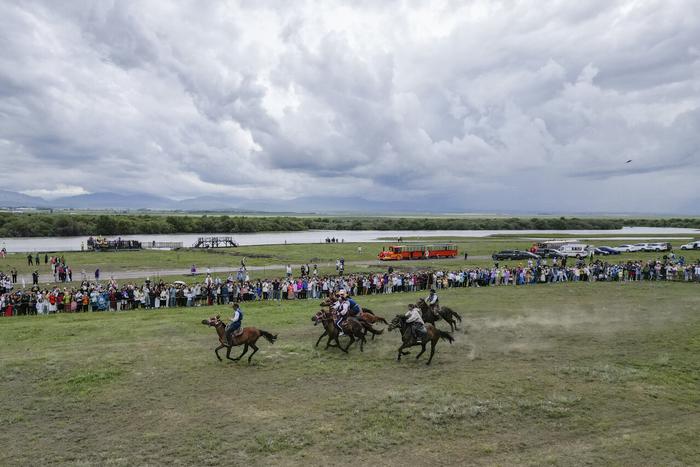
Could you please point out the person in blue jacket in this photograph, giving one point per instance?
(235, 324)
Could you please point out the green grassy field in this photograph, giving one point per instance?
(603, 373)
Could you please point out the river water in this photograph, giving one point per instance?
(32, 244)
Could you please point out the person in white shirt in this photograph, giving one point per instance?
(414, 319)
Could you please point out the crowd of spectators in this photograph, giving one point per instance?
(95, 295)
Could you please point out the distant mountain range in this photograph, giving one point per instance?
(114, 201)
(305, 205)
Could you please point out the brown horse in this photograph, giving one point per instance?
(448, 314)
(247, 337)
(366, 316)
(329, 329)
(408, 340)
(371, 318)
(353, 328)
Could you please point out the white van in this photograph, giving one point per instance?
(578, 250)
(691, 246)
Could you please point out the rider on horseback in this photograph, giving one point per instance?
(235, 323)
(433, 302)
(345, 307)
(414, 319)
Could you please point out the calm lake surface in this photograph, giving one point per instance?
(32, 244)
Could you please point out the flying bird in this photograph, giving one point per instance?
(628, 161)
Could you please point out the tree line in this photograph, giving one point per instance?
(62, 224)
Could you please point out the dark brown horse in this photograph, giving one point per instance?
(329, 329)
(366, 317)
(352, 327)
(448, 314)
(408, 339)
(246, 337)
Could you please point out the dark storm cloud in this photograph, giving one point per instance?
(508, 105)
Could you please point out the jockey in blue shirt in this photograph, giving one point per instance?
(235, 324)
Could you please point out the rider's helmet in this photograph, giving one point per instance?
(432, 290)
(342, 293)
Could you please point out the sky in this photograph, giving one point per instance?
(471, 105)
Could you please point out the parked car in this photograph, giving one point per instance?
(549, 253)
(609, 249)
(513, 254)
(691, 246)
(663, 246)
(600, 251)
(628, 248)
(578, 250)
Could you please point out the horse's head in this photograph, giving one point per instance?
(421, 303)
(214, 321)
(321, 316)
(395, 323)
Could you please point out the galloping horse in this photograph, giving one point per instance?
(444, 312)
(366, 316)
(353, 328)
(247, 337)
(329, 329)
(434, 335)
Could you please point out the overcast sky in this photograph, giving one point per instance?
(490, 105)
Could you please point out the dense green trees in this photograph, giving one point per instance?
(74, 224)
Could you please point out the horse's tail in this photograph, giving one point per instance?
(381, 320)
(445, 335)
(270, 338)
(454, 313)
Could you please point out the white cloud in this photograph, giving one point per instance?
(508, 105)
(57, 192)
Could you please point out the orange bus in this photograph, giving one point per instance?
(399, 252)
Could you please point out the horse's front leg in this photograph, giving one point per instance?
(321, 337)
(332, 337)
(352, 340)
(401, 352)
(328, 344)
(337, 344)
(216, 351)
